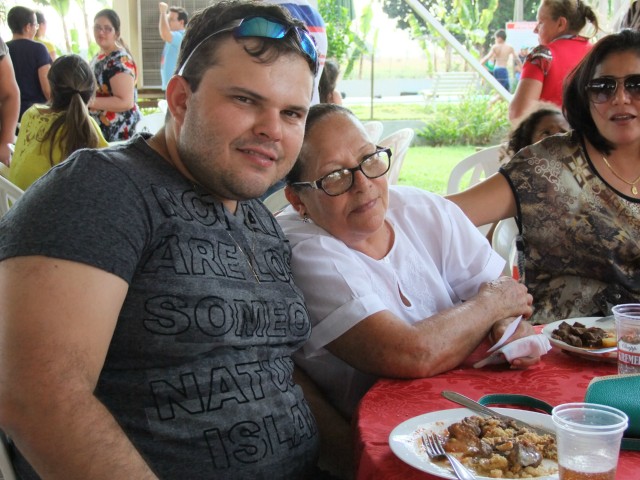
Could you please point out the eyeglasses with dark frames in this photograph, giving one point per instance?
(340, 181)
(265, 27)
(603, 89)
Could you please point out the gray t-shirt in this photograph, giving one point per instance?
(198, 372)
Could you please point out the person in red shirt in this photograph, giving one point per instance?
(561, 48)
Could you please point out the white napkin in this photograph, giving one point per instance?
(506, 335)
(533, 345)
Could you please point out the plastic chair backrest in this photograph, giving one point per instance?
(9, 194)
(276, 202)
(6, 467)
(151, 123)
(482, 164)
(374, 129)
(163, 106)
(399, 142)
(504, 242)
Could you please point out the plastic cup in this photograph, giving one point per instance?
(627, 318)
(588, 437)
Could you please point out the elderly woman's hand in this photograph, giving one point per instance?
(524, 329)
(507, 298)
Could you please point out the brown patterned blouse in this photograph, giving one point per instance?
(580, 235)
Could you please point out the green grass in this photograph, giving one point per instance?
(429, 167)
(411, 111)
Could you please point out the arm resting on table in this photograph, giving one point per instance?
(385, 345)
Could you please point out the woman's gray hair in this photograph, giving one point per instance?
(316, 113)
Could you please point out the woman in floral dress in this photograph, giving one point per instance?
(114, 106)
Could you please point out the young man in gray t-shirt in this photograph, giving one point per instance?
(149, 313)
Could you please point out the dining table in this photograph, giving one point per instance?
(559, 377)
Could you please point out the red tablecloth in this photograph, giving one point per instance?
(558, 378)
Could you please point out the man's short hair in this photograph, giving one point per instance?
(182, 14)
(18, 18)
(501, 34)
(213, 18)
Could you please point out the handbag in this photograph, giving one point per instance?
(618, 391)
(621, 392)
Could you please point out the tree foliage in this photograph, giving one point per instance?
(344, 44)
(470, 21)
(338, 24)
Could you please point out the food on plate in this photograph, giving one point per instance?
(579, 335)
(500, 449)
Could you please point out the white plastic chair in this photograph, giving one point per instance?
(6, 467)
(481, 164)
(276, 202)
(151, 123)
(9, 193)
(504, 242)
(374, 129)
(399, 142)
(163, 106)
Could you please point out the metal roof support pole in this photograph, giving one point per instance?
(451, 40)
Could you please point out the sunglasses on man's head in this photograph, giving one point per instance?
(603, 89)
(264, 27)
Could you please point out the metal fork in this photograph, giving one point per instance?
(433, 446)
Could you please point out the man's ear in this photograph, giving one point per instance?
(178, 94)
(294, 199)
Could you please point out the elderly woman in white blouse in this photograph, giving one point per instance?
(397, 281)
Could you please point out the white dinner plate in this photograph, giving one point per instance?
(405, 443)
(606, 323)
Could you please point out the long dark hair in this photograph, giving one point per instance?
(72, 86)
(575, 101)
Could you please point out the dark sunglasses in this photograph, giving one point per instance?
(603, 89)
(265, 27)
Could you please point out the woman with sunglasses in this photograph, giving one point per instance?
(559, 25)
(114, 106)
(576, 196)
(385, 269)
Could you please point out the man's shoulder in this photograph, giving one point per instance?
(129, 157)
(177, 36)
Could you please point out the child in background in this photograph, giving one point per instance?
(41, 35)
(545, 120)
(50, 133)
(328, 82)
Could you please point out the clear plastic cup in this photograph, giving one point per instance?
(588, 437)
(627, 318)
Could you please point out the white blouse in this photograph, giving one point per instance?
(438, 260)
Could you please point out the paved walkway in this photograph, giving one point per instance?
(347, 101)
